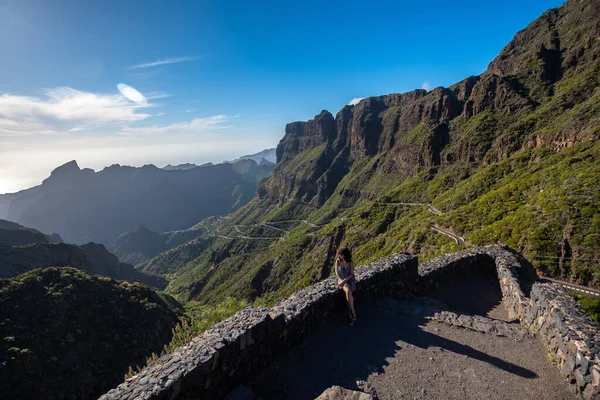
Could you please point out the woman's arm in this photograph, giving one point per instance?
(335, 267)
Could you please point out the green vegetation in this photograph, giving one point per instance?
(591, 305)
(196, 320)
(74, 335)
(509, 156)
(539, 202)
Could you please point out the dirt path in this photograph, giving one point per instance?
(407, 357)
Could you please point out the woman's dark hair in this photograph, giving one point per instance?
(346, 253)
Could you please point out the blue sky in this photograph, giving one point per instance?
(218, 78)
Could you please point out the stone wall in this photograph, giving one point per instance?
(569, 333)
(246, 343)
(243, 345)
(572, 338)
(450, 268)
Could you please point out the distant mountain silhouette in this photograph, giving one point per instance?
(34, 251)
(264, 157)
(170, 167)
(83, 205)
(267, 154)
(13, 234)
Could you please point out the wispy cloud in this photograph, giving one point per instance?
(190, 110)
(144, 75)
(196, 126)
(426, 85)
(158, 95)
(156, 63)
(63, 109)
(355, 101)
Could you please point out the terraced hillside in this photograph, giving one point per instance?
(510, 155)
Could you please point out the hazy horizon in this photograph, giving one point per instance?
(13, 180)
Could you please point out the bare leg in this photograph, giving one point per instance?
(350, 300)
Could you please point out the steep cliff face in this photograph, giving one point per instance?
(478, 120)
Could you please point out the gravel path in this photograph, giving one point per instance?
(407, 357)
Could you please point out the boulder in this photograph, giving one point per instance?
(340, 393)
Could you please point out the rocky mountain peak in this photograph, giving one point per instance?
(301, 136)
(66, 169)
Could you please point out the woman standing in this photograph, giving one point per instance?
(344, 269)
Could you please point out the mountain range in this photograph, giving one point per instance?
(264, 157)
(84, 206)
(510, 155)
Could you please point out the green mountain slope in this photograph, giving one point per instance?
(92, 258)
(510, 155)
(67, 335)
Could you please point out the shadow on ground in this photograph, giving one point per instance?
(477, 294)
(340, 355)
(402, 354)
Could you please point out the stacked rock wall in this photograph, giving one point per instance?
(450, 268)
(570, 335)
(245, 344)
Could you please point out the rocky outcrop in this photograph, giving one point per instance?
(303, 136)
(340, 393)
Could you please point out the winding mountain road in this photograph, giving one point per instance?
(400, 203)
(576, 288)
(459, 240)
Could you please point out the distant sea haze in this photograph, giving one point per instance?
(8, 185)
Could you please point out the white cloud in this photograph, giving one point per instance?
(194, 127)
(63, 110)
(190, 110)
(157, 95)
(163, 62)
(131, 94)
(426, 85)
(355, 101)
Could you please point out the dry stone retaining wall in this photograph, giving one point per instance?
(570, 335)
(245, 344)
